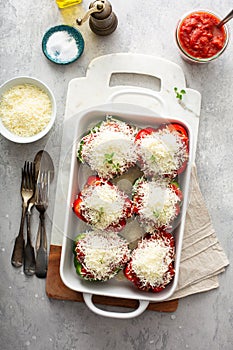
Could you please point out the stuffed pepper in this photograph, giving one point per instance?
(163, 152)
(151, 267)
(109, 148)
(102, 205)
(99, 256)
(156, 203)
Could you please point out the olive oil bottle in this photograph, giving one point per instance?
(66, 3)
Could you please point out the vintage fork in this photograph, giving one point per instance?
(41, 204)
(27, 190)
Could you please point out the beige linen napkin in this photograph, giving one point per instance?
(202, 257)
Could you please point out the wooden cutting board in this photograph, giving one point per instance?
(96, 88)
(56, 289)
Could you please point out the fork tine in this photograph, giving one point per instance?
(31, 176)
(46, 185)
(25, 165)
(43, 186)
(26, 174)
(22, 179)
(29, 170)
(38, 187)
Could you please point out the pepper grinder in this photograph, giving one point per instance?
(102, 20)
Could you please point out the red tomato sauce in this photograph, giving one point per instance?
(199, 36)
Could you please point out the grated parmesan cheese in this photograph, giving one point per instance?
(102, 205)
(25, 110)
(102, 254)
(151, 261)
(109, 149)
(156, 202)
(161, 152)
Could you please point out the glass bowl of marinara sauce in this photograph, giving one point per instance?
(198, 37)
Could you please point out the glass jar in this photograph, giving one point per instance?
(198, 38)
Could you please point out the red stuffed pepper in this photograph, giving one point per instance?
(109, 148)
(99, 256)
(163, 151)
(156, 203)
(102, 205)
(151, 267)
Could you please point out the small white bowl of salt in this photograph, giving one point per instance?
(63, 44)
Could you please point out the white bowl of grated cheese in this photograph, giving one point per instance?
(27, 109)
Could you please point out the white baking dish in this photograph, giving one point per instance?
(120, 288)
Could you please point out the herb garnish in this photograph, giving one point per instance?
(153, 158)
(79, 153)
(156, 213)
(109, 160)
(179, 94)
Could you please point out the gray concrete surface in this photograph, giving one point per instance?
(28, 319)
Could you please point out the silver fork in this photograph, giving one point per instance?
(27, 190)
(41, 203)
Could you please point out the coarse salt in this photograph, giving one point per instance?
(62, 46)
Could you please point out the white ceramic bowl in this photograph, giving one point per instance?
(33, 81)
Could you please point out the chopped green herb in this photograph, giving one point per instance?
(100, 213)
(96, 127)
(116, 166)
(179, 94)
(108, 158)
(153, 158)
(79, 152)
(156, 214)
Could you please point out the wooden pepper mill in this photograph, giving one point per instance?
(102, 20)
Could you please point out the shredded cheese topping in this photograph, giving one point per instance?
(161, 152)
(109, 149)
(103, 254)
(151, 260)
(156, 202)
(102, 205)
(25, 110)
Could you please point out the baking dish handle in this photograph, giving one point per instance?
(103, 67)
(143, 304)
